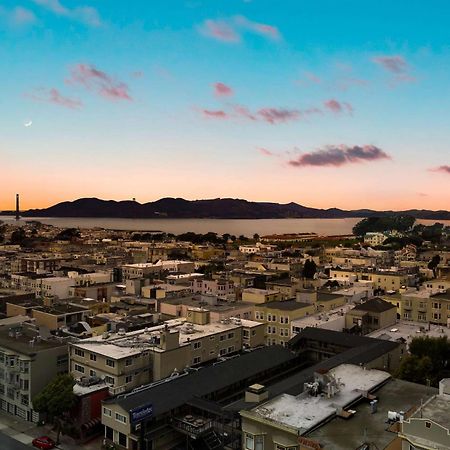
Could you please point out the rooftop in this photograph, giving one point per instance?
(305, 412)
(285, 305)
(375, 305)
(395, 395)
(436, 409)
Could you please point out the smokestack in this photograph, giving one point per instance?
(17, 207)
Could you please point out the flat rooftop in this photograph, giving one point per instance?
(408, 330)
(436, 409)
(305, 412)
(395, 395)
(118, 346)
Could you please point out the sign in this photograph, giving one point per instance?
(141, 413)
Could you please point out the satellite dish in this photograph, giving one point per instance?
(28, 123)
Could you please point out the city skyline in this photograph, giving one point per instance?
(241, 99)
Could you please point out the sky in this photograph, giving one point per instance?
(326, 103)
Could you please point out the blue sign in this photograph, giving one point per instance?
(141, 413)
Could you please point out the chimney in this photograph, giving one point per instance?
(17, 207)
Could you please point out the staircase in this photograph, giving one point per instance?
(211, 440)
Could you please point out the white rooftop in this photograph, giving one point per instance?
(304, 412)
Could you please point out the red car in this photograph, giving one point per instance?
(44, 443)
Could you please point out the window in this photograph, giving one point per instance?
(92, 373)
(110, 363)
(109, 433)
(122, 439)
(109, 380)
(223, 351)
(78, 368)
(428, 424)
(93, 357)
(128, 378)
(106, 412)
(128, 361)
(196, 345)
(197, 360)
(254, 442)
(79, 352)
(230, 335)
(231, 349)
(121, 418)
(223, 337)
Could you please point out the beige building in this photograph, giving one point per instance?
(254, 295)
(370, 316)
(127, 360)
(28, 362)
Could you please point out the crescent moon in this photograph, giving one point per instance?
(28, 124)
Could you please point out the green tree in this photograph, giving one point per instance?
(68, 234)
(309, 269)
(56, 400)
(429, 359)
(381, 224)
(432, 265)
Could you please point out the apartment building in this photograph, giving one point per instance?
(28, 362)
(127, 360)
(374, 238)
(254, 295)
(370, 316)
(388, 280)
(143, 270)
(219, 288)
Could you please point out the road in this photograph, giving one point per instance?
(8, 443)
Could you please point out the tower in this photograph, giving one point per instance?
(17, 207)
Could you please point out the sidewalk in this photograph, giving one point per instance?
(25, 432)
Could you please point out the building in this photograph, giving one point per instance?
(220, 288)
(28, 362)
(370, 316)
(254, 295)
(130, 359)
(429, 425)
(145, 270)
(374, 238)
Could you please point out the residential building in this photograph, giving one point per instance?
(28, 362)
(374, 238)
(370, 316)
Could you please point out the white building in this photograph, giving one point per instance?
(374, 238)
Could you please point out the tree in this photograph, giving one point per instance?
(309, 269)
(68, 234)
(256, 237)
(381, 224)
(18, 236)
(56, 400)
(428, 360)
(432, 265)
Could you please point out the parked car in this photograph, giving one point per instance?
(44, 443)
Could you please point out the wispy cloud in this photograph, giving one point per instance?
(231, 29)
(55, 97)
(84, 14)
(215, 114)
(337, 107)
(222, 90)
(397, 67)
(308, 78)
(336, 156)
(18, 16)
(442, 169)
(98, 81)
(220, 30)
(278, 115)
(265, 152)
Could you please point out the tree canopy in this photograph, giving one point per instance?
(428, 361)
(309, 269)
(381, 224)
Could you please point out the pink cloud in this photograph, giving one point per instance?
(220, 30)
(278, 115)
(84, 14)
(395, 64)
(231, 29)
(99, 82)
(336, 156)
(263, 29)
(345, 83)
(309, 78)
(441, 169)
(215, 114)
(265, 152)
(222, 90)
(54, 96)
(338, 107)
